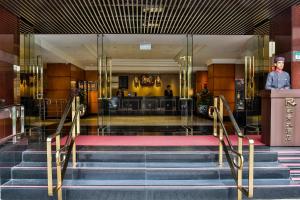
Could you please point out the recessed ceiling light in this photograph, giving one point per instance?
(151, 24)
(153, 9)
(145, 46)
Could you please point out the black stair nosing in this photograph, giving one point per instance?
(158, 157)
(155, 192)
(290, 161)
(153, 174)
(146, 164)
(82, 182)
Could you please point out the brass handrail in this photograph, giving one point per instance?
(219, 103)
(15, 111)
(65, 150)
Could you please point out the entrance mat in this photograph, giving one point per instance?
(205, 140)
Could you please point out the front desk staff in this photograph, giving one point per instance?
(278, 79)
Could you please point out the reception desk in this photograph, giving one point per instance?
(281, 117)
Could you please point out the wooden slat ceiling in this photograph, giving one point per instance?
(146, 16)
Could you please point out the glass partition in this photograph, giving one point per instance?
(256, 61)
(104, 69)
(185, 62)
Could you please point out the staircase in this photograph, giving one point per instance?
(291, 159)
(143, 173)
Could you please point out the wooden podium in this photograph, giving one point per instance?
(281, 117)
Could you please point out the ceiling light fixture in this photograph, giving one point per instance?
(153, 9)
(145, 46)
(151, 24)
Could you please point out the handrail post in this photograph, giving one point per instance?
(78, 116)
(58, 168)
(74, 102)
(251, 168)
(49, 167)
(240, 169)
(14, 123)
(22, 120)
(220, 133)
(215, 117)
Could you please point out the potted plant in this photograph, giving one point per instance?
(204, 100)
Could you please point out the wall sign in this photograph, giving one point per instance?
(289, 123)
(296, 55)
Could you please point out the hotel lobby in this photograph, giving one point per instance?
(149, 100)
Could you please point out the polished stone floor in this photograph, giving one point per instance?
(131, 121)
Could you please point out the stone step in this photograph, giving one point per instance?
(289, 159)
(145, 165)
(142, 192)
(130, 173)
(133, 156)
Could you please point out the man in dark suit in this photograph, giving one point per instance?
(168, 96)
(168, 92)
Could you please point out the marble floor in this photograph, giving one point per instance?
(147, 121)
(130, 121)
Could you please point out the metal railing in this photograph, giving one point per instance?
(236, 164)
(15, 113)
(63, 152)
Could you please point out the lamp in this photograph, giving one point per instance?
(157, 81)
(136, 81)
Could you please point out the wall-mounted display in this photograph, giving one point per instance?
(147, 80)
(123, 82)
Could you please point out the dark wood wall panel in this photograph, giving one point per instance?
(280, 32)
(59, 77)
(92, 96)
(224, 70)
(58, 69)
(91, 75)
(77, 73)
(201, 80)
(9, 54)
(285, 31)
(58, 94)
(295, 67)
(221, 79)
(223, 83)
(59, 83)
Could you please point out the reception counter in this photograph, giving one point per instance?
(281, 117)
(147, 105)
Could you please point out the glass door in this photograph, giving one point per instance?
(104, 69)
(256, 62)
(185, 87)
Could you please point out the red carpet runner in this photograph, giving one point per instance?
(91, 140)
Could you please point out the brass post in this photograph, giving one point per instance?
(246, 77)
(58, 169)
(74, 131)
(78, 116)
(110, 78)
(253, 75)
(14, 123)
(22, 120)
(240, 169)
(220, 133)
(215, 117)
(49, 167)
(251, 168)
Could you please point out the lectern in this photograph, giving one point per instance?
(281, 117)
